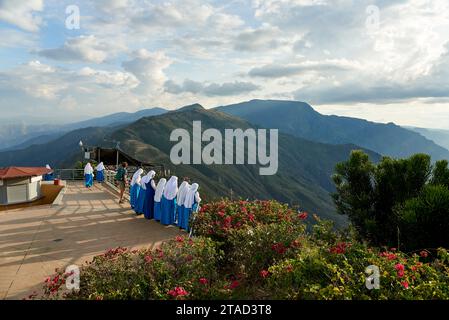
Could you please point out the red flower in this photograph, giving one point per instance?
(340, 248)
(399, 267)
(179, 239)
(148, 259)
(404, 284)
(279, 248)
(234, 284)
(264, 273)
(303, 215)
(424, 254)
(178, 292)
(203, 281)
(289, 268)
(251, 217)
(221, 213)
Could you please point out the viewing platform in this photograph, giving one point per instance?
(87, 222)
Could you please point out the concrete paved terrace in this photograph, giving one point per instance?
(36, 240)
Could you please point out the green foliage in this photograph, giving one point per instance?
(258, 257)
(382, 201)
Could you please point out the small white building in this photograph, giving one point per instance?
(21, 184)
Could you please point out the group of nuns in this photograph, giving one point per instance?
(89, 174)
(164, 202)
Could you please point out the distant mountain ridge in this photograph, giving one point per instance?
(20, 136)
(439, 136)
(301, 120)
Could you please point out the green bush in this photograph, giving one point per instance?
(382, 200)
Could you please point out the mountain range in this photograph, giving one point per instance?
(301, 120)
(310, 145)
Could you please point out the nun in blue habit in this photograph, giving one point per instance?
(158, 198)
(135, 187)
(48, 176)
(168, 202)
(191, 205)
(140, 202)
(150, 187)
(89, 175)
(100, 172)
(183, 189)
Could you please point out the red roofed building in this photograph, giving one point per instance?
(21, 184)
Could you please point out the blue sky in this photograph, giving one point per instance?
(380, 60)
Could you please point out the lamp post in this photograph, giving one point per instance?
(82, 151)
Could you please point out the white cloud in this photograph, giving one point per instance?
(22, 13)
(83, 48)
(148, 67)
(211, 89)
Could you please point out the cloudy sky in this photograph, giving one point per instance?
(377, 59)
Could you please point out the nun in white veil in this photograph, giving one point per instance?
(191, 205)
(89, 175)
(158, 198)
(183, 189)
(48, 176)
(148, 202)
(100, 172)
(168, 202)
(135, 187)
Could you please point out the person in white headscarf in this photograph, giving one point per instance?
(158, 198)
(183, 189)
(191, 205)
(168, 202)
(100, 172)
(135, 187)
(48, 176)
(146, 196)
(89, 175)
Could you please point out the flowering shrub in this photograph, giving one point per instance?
(258, 250)
(216, 220)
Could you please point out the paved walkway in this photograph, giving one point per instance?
(35, 241)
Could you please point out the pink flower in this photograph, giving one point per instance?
(404, 284)
(148, 259)
(251, 217)
(264, 273)
(178, 292)
(424, 254)
(399, 267)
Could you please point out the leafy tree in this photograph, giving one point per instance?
(424, 220)
(382, 200)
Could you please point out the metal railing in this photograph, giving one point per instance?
(69, 174)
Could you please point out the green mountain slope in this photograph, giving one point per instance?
(301, 120)
(305, 167)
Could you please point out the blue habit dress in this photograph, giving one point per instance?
(134, 194)
(138, 208)
(100, 176)
(48, 177)
(89, 178)
(148, 204)
(180, 213)
(185, 224)
(157, 211)
(168, 211)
